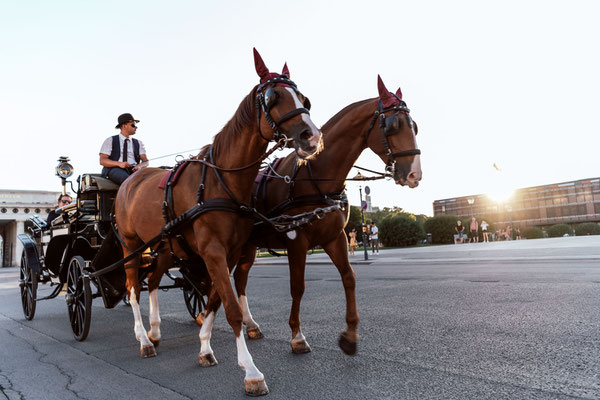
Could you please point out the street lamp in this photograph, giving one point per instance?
(359, 177)
(471, 200)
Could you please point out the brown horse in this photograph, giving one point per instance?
(384, 125)
(217, 235)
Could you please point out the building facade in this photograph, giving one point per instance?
(16, 206)
(571, 202)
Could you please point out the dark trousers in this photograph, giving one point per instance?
(374, 245)
(116, 174)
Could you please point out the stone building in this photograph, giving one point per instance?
(16, 206)
(572, 202)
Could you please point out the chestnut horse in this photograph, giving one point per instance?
(382, 124)
(217, 235)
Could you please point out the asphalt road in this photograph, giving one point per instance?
(510, 320)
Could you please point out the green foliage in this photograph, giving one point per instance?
(532, 232)
(442, 228)
(559, 230)
(588, 228)
(400, 230)
(354, 220)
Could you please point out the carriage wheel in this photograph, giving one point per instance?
(79, 298)
(28, 281)
(194, 300)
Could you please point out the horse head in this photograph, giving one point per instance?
(284, 111)
(395, 143)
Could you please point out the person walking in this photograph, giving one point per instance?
(353, 242)
(474, 228)
(374, 238)
(120, 155)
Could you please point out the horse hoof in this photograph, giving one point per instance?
(300, 347)
(207, 360)
(347, 346)
(254, 333)
(155, 342)
(256, 387)
(147, 351)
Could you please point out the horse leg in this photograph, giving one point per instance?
(240, 276)
(217, 267)
(133, 290)
(297, 264)
(162, 264)
(206, 357)
(336, 251)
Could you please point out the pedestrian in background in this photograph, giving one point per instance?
(353, 242)
(474, 228)
(484, 231)
(374, 238)
(459, 231)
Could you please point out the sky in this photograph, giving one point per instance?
(516, 83)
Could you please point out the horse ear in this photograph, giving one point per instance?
(381, 87)
(285, 70)
(399, 93)
(259, 64)
(384, 94)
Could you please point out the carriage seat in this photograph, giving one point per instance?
(93, 182)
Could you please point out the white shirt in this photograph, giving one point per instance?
(374, 232)
(107, 148)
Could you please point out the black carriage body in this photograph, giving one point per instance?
(79, 230)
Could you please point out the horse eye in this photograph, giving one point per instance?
(307, 103)
(270, 98)
(416, 128)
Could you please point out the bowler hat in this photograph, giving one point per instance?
(125, 118)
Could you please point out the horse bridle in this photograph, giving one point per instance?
(265, 100)
(389, 126)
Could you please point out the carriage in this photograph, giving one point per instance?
(72, 252)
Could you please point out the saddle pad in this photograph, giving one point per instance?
(270, 175)
(178, 171)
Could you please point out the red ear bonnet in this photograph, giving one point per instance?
(399, 93)
(261, 68)
(387, 98)
(285, 71)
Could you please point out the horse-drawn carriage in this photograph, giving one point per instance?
(70, 253)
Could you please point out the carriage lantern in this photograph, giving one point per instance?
(64, 170)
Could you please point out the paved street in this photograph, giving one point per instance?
(507, 320)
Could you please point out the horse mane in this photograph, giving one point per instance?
(243, 117)
(334, 120)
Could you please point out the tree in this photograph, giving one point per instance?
(400, 230)
(354, 220)
(442, 228)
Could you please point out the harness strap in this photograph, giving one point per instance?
(291, 114)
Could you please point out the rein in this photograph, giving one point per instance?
(211, 164)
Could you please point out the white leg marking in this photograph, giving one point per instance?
(205, 334)
(299, 337)
(247, 315)
(140, 332)
(154, 316)
(245, 360)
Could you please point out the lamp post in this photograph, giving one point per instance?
(471, 201)
(362, 216)
(509, 210)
